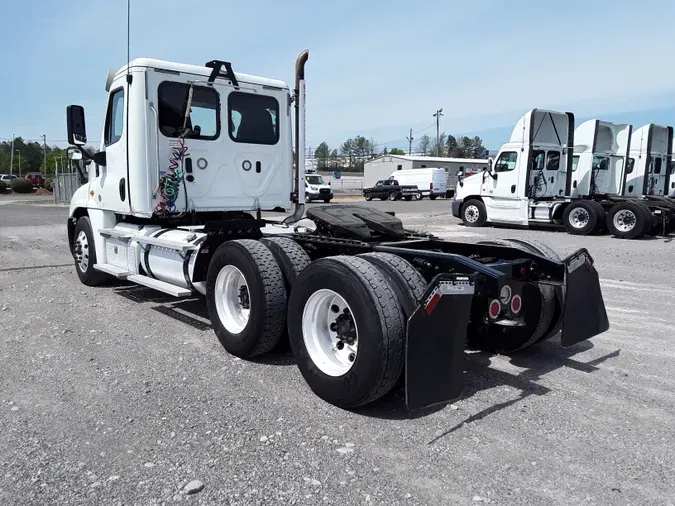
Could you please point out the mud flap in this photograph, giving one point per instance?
(436, 340)
(584, 315)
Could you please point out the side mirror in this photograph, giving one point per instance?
(74, 154)
(77, 131)
(489, 165)
(460, 177)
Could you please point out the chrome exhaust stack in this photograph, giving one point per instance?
(299, 211)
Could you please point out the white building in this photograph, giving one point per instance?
(384, 166)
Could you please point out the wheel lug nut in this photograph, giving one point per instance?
(333, 327)
(340, 345)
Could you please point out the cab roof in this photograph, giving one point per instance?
(198, 70)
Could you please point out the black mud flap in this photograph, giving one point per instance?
(584, 315)
(436, 340)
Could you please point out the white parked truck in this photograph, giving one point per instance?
(431, 182)
(549, 174)
(192, 159)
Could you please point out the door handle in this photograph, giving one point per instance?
(513, 188)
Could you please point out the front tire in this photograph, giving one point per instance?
(368, 196)
(246, 298)
(84, 253)
(346, 331)
(474, 213)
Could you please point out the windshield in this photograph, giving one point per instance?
(315, 180)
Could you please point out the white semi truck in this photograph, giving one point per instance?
(550, 174)
(192, 159)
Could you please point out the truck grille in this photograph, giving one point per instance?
(324, 191)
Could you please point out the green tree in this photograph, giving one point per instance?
(425, 144)
(453, 148)
(396, 151)
(348, 149)
(322, 154)
(477, 149)
(466, 146)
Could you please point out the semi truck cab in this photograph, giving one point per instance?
(228, 134)
(533, 165)
(648, 165)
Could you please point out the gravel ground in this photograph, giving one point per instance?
(119, 395)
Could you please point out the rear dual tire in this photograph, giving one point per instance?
(351, 296)
(584, 217)
(629, 220)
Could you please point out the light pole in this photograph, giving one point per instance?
(19, 151)
(438, 115)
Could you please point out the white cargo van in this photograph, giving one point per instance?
(431, 182)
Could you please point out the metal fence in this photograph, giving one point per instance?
(65, 185)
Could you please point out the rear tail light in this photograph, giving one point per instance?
(494, 309)
(431, 186)
(516, 304)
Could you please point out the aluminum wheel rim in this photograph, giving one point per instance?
(579, 217)
(320, 337)
(231, 304)
(471, 214)
(624, 220)
(82, 251)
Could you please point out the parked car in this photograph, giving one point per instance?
(36, 178)
(389, 189)
(317, 189)
(7, 179)
(431, 182)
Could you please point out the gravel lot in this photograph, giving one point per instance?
(119, 395)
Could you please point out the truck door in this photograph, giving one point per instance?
(656, 179)
(111, 187)
(503, 191)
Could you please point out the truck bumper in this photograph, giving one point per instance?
(457, 208)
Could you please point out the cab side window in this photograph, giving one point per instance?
(114, 122)
(253, 119)
(506, 161)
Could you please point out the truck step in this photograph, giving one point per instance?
(160, 286)
(117, 234)
(113, 270)
(162, 243)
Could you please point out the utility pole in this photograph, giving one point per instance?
(44, 149)
(19, 162)
(11, 158)
(438, 115)
(410, 140)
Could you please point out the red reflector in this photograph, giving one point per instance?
(523, 271)
(431, 186)
(516, 304)
(495, 309)
(433, 303)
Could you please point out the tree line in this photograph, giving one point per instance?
(29, 157)
(354, 152)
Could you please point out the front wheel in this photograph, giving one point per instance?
(392, 196)
(474, 213)
(433, 197)
(347, 330)
(84, 253)
(308, 199)
(368, 196)
(326, 201)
